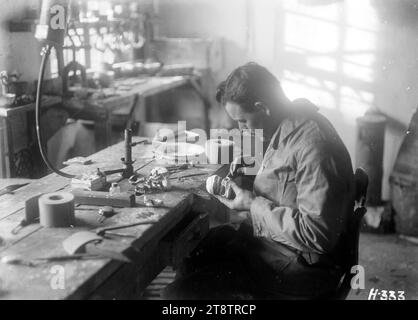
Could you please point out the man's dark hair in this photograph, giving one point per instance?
(247, 85)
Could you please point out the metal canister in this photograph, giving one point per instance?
(369, 153)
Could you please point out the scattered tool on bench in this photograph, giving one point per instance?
(105, 213)
(89, 181)
(135, 179)
(240, 163)
(156, 181)
(10, 189)
(153, 202)
(102, 231)
(181, 167)
(145, 164)
(188, 176)
(100, 198)
(18, 260)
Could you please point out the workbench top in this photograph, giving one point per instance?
(82, 278)
(47, 101)
(144, 87)
(123, 88)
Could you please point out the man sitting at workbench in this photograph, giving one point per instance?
(298, 209)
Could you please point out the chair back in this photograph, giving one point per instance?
(353, 232)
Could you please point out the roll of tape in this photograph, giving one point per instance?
(56, 210)
(219, 151)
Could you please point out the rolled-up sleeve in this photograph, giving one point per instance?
(318, 220)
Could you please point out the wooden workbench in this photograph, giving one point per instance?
(100, 111)
(120, 103)
(13, 129)
(180, 227)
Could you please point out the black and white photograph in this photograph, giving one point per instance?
(204, 156)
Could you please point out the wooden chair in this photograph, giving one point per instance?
(353, 233)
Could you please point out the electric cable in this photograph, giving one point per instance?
(45, 55)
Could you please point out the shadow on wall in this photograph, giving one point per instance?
(347, 57)
(328, 56)
(235, 56)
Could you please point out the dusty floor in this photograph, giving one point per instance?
(389, 262)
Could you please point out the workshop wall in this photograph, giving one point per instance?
(208, 19)
(345, 56)
(18, 51)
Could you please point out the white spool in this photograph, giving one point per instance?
(56, 210)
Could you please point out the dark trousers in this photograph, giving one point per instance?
(233, 264)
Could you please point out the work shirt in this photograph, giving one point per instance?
(305, 186)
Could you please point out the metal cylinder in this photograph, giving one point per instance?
(369, 153)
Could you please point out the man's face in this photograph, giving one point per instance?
(245, 119)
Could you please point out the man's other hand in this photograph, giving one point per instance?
(242, 201)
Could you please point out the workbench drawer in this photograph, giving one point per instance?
(185, 238)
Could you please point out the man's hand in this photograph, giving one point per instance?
(239, 164)
(242, 201)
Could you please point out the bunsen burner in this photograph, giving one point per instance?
(404, 182)
(369, 153)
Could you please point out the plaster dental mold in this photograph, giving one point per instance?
(217, 186)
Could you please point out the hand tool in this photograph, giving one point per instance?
(187, 176)
(99, 198)
(179, 167)
(102, 231)
(135, 179)
(144, 165)
(89, 181)
(121, 235)
(105, 213)
(238, 164)
(10, 189)
(78, 256)
(17, 260)
(23, 223)
(182, 167)
(152, 202)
